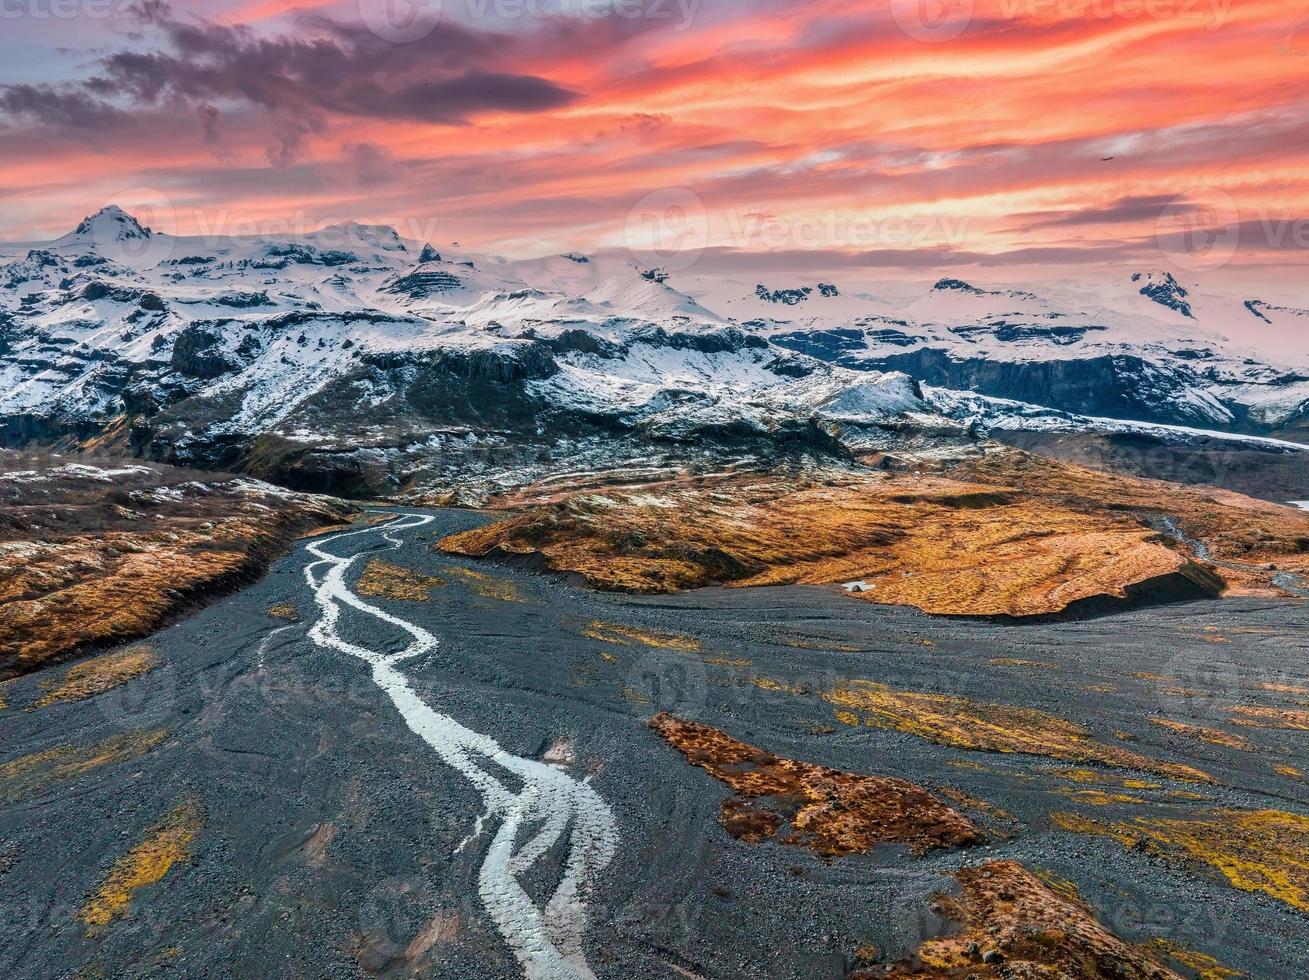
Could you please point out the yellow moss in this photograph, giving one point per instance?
(967, 724)
(626, 636)
(1146, 676)
(385, 580)
(1205, 966)
(629, 693)
(1011, 662)
(101, 674)
(1284, 688)
(487, 586)
(1255, 850)
(1103, 778)
(285, 611)
(1083, 776)
(1214, 736)
(1290, 772)
(769, 684)
(608, 657)
(166, 843)
(1099, 688)
(847, 718)
(1060, 885)
(1184, 692)
(1287, 719)
(29, 773)
(727, 662)
(870, 953)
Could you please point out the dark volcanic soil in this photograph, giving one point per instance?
(289, 824)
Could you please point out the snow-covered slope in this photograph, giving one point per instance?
(351, 352)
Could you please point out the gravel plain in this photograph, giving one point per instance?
(335, 844)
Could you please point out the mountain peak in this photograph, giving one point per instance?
(109, 224)
(1164, 289)
(958, 286)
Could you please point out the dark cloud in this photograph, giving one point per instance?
(1125, 210)
(211, 124)
(47, 105)
(448, 76)
(289, 138)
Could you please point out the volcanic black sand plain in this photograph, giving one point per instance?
(238, 800)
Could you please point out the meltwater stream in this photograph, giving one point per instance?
(546, 939)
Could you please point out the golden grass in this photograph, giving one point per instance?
(84, 597)
(1255, 850)
(166, 843)
(59, 597)
(830, 812)
(1013, 662)
(1006, 534)
(953, 546)
(963, 723)
(100, 674)
(382, 579)
(29, 774)
(1214, 736)
(1204, 966)
(1286, 719)
(1285, 688)
(487, 586)
(1103, 778)
(285, 611)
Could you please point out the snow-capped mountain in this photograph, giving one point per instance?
(354, 357)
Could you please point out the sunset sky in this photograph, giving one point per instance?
(902, 133)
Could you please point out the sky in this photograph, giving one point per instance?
(829, 133)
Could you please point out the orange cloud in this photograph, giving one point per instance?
(1043, 123)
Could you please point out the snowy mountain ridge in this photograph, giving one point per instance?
(351, 350)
